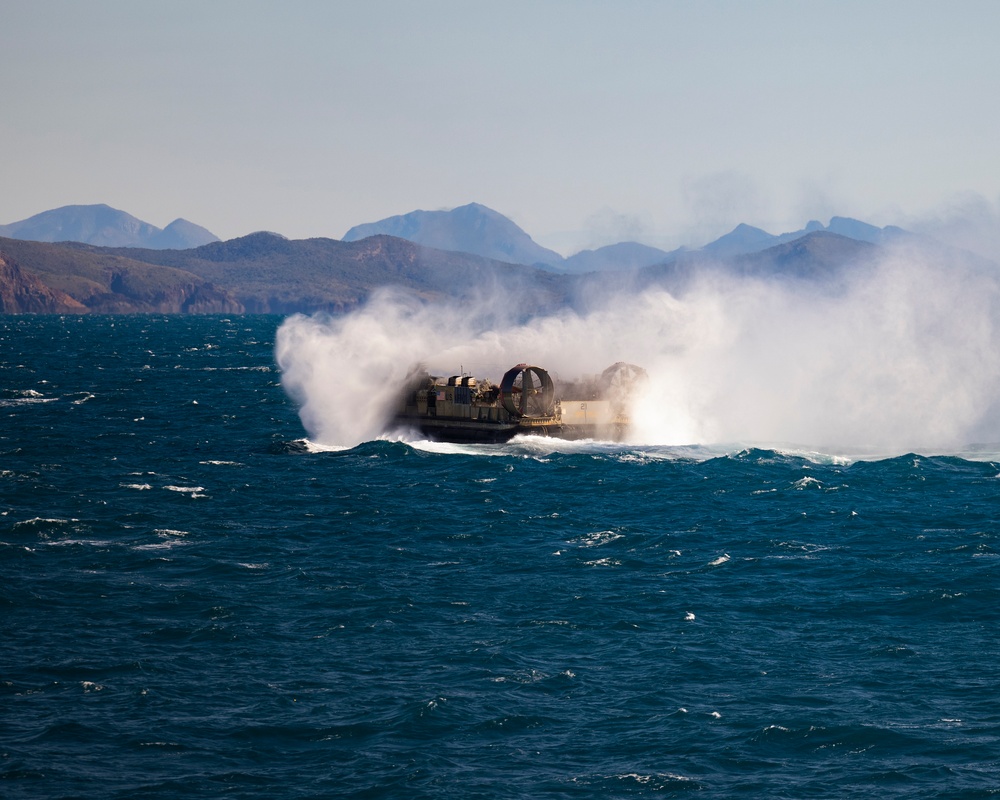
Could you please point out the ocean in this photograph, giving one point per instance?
(197, 601)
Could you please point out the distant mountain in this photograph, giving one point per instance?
(818, 255)
(472, 228)
(104, 226)
(852, 229)
(179, 235)
(745, 239)
(476, 229)
(614, 257)
(741, 239)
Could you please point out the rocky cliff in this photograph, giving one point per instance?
(23, 293)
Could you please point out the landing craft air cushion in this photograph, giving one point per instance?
(466, 409)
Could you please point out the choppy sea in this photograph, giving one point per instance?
(194, 602)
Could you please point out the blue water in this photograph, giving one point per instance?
(194, 604)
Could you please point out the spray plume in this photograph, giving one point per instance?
(900, 356)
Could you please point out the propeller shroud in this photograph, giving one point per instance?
(527, 391)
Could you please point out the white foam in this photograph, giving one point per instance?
(44, 521)
(453, 448)
(238, 369)
(597, 538)
(75, 542)
(318, 447)
(193, 491)
(642, 779)
(167, 545)
(27, 400)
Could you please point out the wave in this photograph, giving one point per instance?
(543, 447)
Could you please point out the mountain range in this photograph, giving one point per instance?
(474, 228)
(259, 273)
(475, 251)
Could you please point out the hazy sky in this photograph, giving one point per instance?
(584, 122)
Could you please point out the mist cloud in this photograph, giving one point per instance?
(969, 221)
(716, 203)
(608, 226)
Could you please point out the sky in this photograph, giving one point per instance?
(584, 122)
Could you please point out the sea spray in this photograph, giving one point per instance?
(899, 356)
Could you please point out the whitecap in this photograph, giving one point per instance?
(648, 779)
(193, 491)
(160, 545)
(239, 369)
(720, 560)
(36, 521)
(21, 401)
(448, 448)
(319, 447)
(596, 539)
(87, 542)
